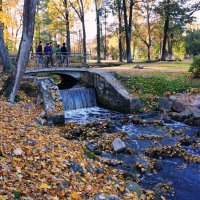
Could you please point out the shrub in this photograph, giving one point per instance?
(195, 67)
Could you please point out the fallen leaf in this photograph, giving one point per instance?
(75, 196)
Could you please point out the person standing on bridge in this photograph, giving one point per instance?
(47, 53)
(63, 52)
(58, 53)
(51, 53)
(39, 52)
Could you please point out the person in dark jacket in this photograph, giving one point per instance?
(47, 53)
(51, 53)
(63, 52)
(39, 53)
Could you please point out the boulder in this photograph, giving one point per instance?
(198, 133)
(139, 67)
(43, 114)
(77, 132)
(118, 145)
(172, 98)
(49, 92)
(186, 114)
(196, 113)
(38, 101)
(165, 104)
(105, 197)
(133, 187)
(57, 119)
(178, 107)
(158, 165)
(192, 122)
(76, 168)
(40, 122)
(95, 149)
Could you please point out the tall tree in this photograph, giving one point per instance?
(192, 41)
(13, 82)
(119, 12)
(68, 42)
(79, 8)
(5, 58)
(145, 30)
(175, 12)
(98, 10)
(128, 27)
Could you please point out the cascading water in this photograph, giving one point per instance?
(80, 105)
(78, 98)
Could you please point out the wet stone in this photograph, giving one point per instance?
(198, 133)
(106, 197)
(187, 141)
(118, 145)
(133, 187)
(89, 168)
(100, 170)
(40, 122)
(77, 132)
(42, 114)
(32, 142)
(57, 119)
(158, 165)
(178, 107)
(164, 104)
(76, 168)
(109, 178)
(38, 101)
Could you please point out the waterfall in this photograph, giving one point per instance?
(77, 98)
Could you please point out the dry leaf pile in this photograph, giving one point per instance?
(36, 163)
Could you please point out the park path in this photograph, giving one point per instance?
(147, 69)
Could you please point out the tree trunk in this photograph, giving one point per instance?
(105, 37)
(149, 52)
(4, 55)
(24, 49)
(98, 33)
(84, 40)
(128, 27)
(5, 58)
(119, 7)
(166, 28)
(170, 51)
(68, 40)
(84, 32)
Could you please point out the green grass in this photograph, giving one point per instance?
(158, 84)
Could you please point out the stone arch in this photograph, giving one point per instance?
(67, 81)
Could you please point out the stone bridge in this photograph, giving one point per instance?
(74, 72)
(110, 93)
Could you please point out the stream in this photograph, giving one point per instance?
(175, 173)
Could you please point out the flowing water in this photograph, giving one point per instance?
(184, 177)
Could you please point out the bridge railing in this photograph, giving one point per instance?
(68, 59)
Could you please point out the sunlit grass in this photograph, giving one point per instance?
(158, 84)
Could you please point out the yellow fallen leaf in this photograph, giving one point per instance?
(2, 197)
(75, 196)
(44, 186)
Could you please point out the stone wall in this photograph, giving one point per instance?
(111, 94)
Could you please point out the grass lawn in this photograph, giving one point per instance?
(158, 84)
(156, 79)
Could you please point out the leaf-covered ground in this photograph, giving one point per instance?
(37, 162)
